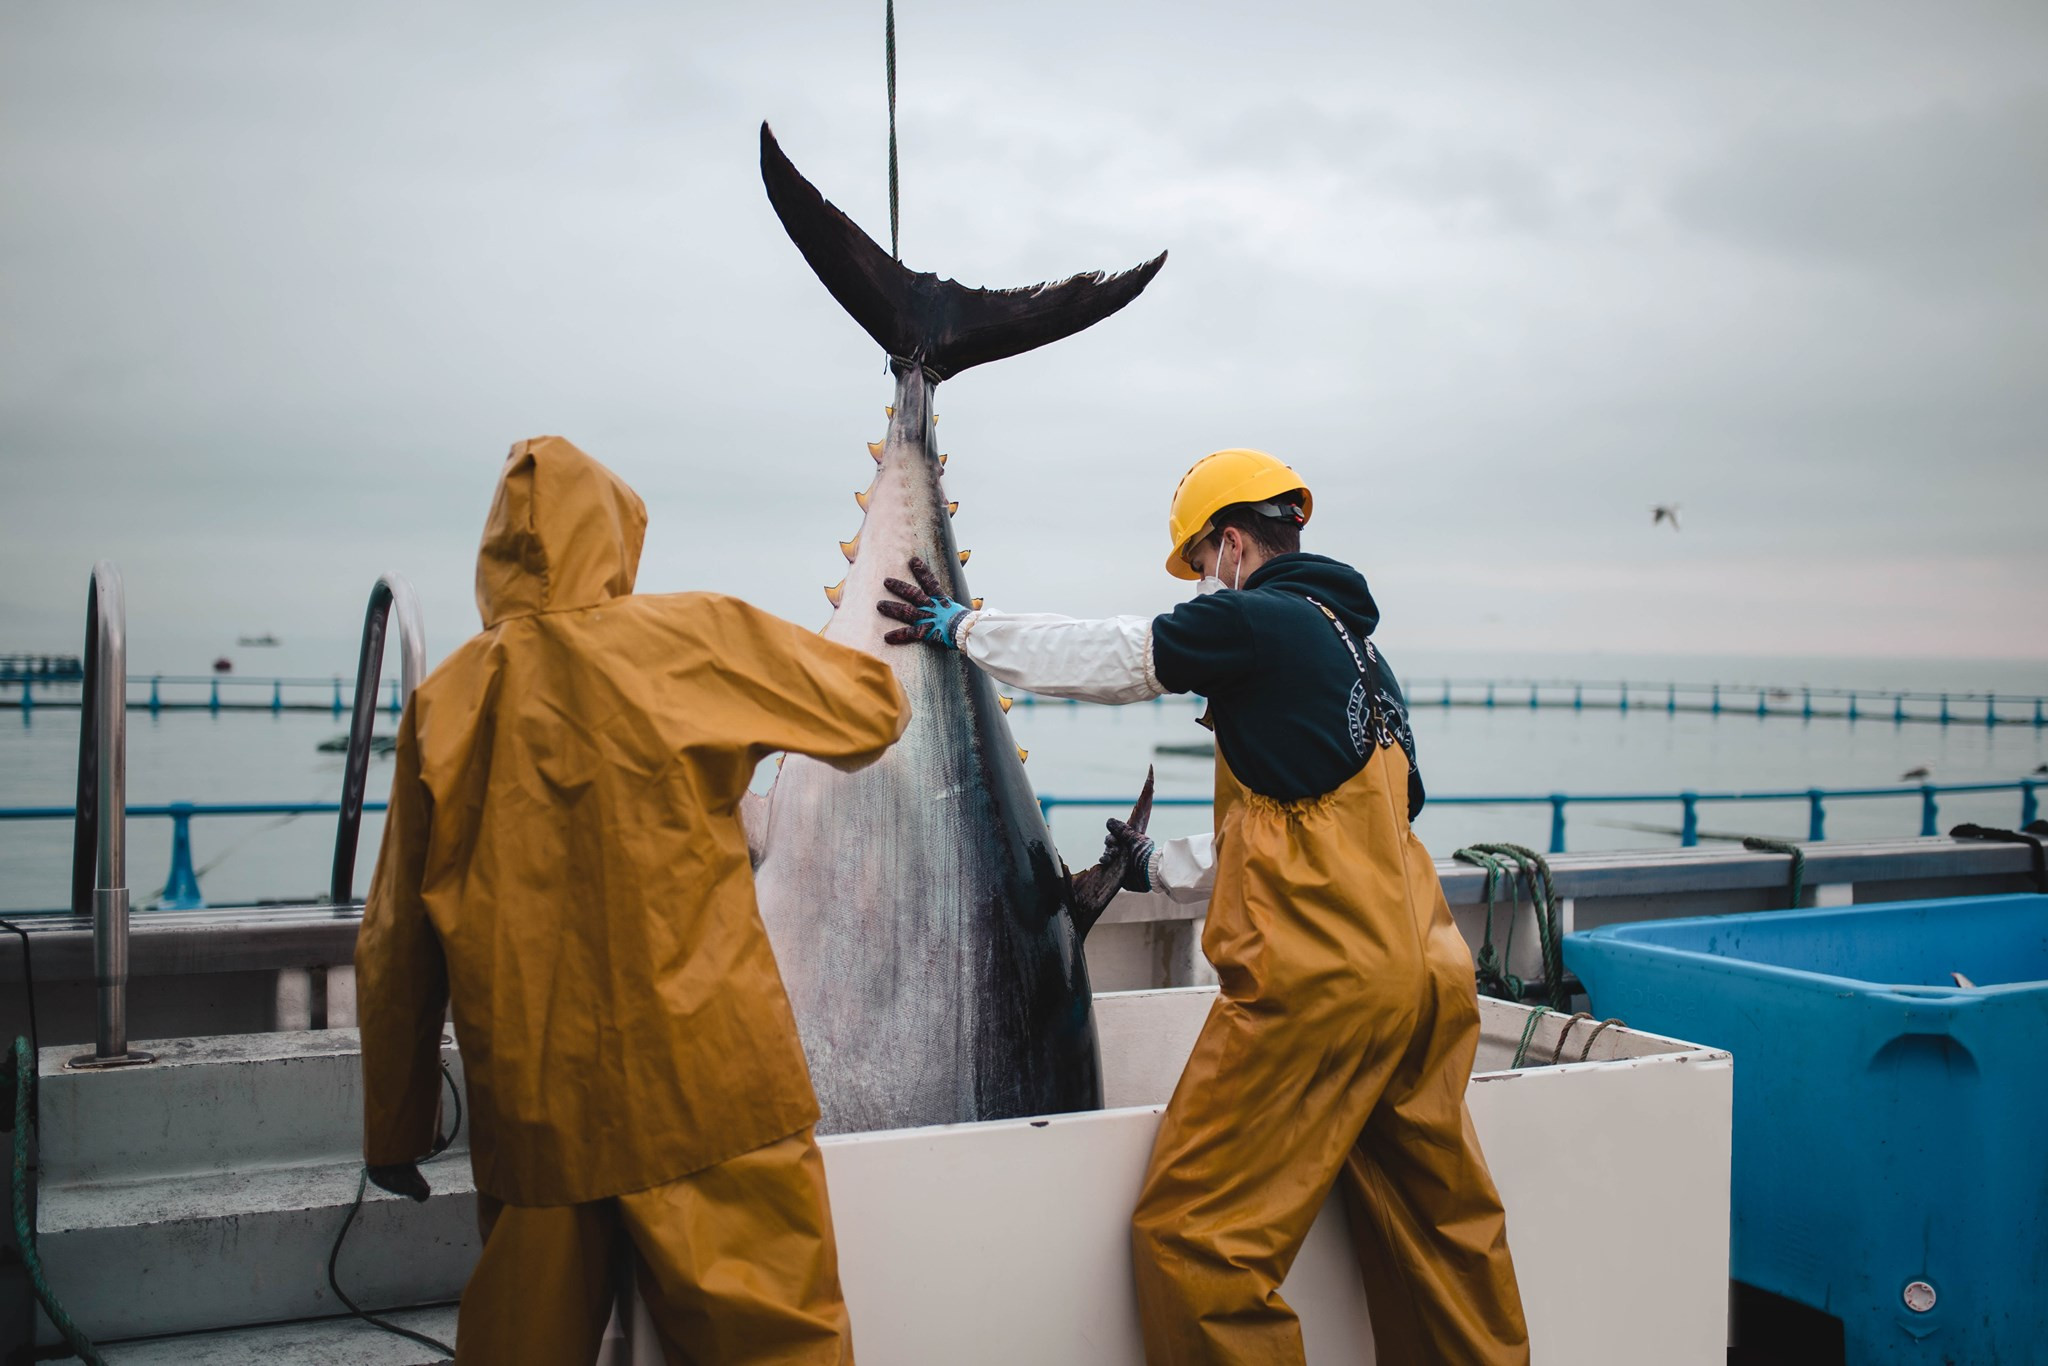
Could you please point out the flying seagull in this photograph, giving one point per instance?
(1664, 512)
(1916, 775)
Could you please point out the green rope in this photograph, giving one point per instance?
(1549, 917)
(1528, 1033)
(889, 50)
(1489, 967)
(24, 1227)
(1757, 844)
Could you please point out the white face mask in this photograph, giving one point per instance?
(1209, 583)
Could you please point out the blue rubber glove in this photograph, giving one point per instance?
(929, 615)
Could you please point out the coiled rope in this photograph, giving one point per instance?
(1489, 966)
(1549, 916)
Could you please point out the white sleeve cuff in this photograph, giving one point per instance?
(1108, 660)
(1184, 869)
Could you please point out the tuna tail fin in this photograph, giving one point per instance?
(1090, 891)
(919, 319)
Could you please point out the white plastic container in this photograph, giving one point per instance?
(1008, 1242)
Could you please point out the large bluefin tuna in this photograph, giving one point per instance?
(927, 931)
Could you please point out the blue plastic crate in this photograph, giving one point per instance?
(1891, 1128)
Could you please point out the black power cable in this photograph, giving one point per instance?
(441, 1145)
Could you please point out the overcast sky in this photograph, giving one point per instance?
(279, 283)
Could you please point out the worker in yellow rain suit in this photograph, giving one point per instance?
(563, 859)
(1342, 1038)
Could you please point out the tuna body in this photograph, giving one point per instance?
(918, 908)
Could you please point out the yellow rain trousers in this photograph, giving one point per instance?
(564, 862)
(735, 1264)
(1339, 1048)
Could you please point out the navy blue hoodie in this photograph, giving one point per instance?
(1287, 701)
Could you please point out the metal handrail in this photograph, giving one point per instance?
(390, 593)
(99, 839)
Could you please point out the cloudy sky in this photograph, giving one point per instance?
(279, 283)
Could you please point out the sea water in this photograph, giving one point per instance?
(1102, 752)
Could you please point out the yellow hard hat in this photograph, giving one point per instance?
(1217, 481)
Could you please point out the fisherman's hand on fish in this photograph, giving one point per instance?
(1135, 848)
(401, 1178)
(931, 615)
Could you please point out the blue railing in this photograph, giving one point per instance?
(1689, 803)
(1707, 699)
(216, 693)
(213, 693)
(181, 883)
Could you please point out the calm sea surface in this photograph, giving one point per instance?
(1103, 752)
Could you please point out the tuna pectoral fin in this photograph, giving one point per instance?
(918, 318)
(1090, 891)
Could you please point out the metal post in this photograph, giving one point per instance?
(1578, 697)
(1671, 699)
(1489, 694)
(1930, 817)
(1816, 815)
(1689, 827)
(388, 594)
(99, 839)
(397, 704)
(1852, 706)
(1717, 699)
(1557, 800)
(276, 695)
(2039, 719)
(1806, 706)
(337, 694)
(1624, 697)
(2030, 806)
(1045, 806)
(1944, 709)
(181, 886)
(1899, 709)
(1447, 692)
(214, 702)
(1991, 709)
(155, 701)
(1532, 695)
(1762, 702)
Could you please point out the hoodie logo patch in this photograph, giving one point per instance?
(1358, 718)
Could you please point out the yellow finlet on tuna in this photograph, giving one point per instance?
(963, 554)
(837, 591)
(862, 499)
(850, 548)
(875, 449)
(943, 458)
(1004, 702)
(1023, 754)
(888, 412)
(953, 509)
(977, 604)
